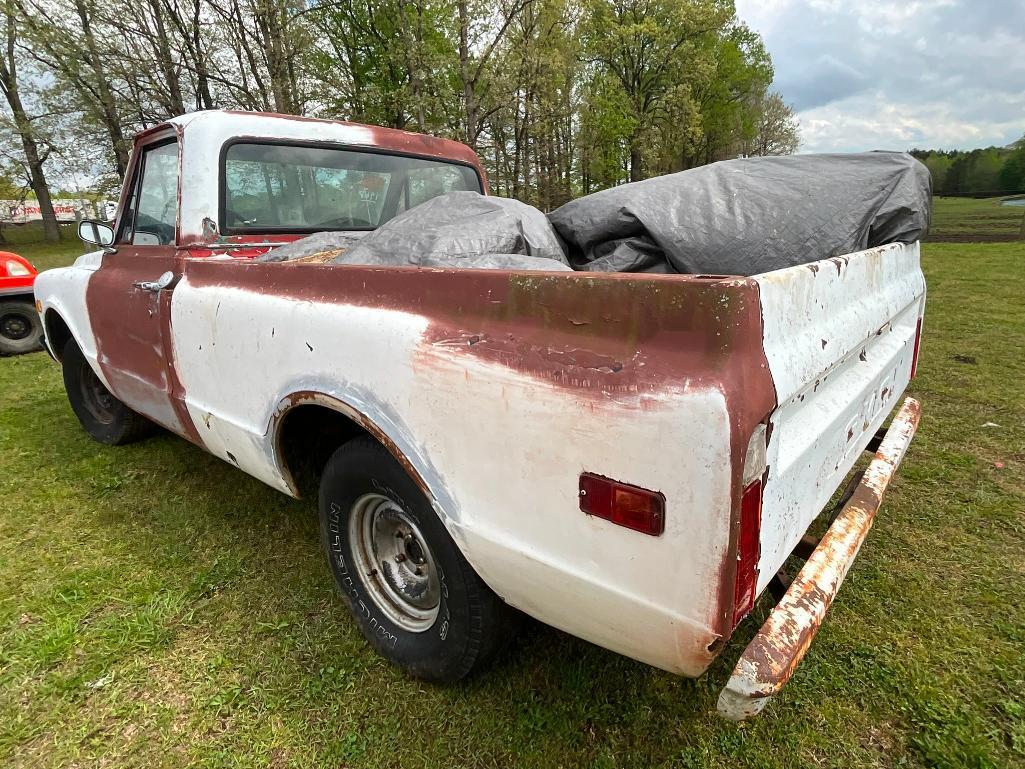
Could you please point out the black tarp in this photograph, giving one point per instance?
(749, 216)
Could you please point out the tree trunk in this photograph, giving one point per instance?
(470, 108)
(23, 125)
(108, 107)
(636, 164)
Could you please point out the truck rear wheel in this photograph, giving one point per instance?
(412, 593)
(103, 416)
(20, 328)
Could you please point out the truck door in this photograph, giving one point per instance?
(129, 297)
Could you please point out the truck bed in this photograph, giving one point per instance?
(499, 388)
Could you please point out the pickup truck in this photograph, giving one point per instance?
(20, 327)
(630, 458)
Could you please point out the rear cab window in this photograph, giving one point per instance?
(293, 188)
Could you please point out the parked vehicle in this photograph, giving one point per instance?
(628, 457)
(21, 329)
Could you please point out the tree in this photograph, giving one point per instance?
(14, 182)
(482, 26)
(651, 47)
(72, 54)
(1012, 174)
(558, 97)
(777, 131)
(35, 155)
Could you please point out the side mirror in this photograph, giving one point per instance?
(96, 233)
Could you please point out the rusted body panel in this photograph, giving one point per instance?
(773, 655)
(497, 389)
(451, 365)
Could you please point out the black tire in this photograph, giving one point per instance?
(21, 330)
(472, 623)
(104, 417)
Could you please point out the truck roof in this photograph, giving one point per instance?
(272, 125)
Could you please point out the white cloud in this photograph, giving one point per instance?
(882, 74)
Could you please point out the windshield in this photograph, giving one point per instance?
(288, 188)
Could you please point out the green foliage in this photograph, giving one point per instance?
(686, 83)
(983, 172)
(558, 97)
(1012, 174)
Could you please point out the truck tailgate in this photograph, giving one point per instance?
(840, 337)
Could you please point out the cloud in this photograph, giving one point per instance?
(885, 74)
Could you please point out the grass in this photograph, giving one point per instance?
(160, 608)
(26, 240)
(964, 220)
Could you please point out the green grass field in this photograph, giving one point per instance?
(967, 220)
(160, 608)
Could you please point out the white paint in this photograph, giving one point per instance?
(831, 402)
(62, 290)
(501, 452)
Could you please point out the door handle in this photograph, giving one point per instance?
(167, 280)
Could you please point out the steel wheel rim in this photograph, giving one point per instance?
(14, 327)
(398, 568)
(97, 399)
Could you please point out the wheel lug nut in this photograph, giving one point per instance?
(400, 558)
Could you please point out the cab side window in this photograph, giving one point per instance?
(152, 216)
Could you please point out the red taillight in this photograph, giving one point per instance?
(918, 346)
(748, 551)
(623, 504)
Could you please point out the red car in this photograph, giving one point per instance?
(20, 328)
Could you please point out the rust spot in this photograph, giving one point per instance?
(862, 356)
(814, 268)
(824, 343)
(309, 397)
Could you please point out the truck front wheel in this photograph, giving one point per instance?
(412, 593)
(20, 328)
(103, 416)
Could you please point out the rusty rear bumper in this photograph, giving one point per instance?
(772, 656)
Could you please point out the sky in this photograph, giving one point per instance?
(885, 74)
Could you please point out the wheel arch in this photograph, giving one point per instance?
(337, 422)
(57, 333)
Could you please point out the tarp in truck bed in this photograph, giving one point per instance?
(736, 217)
(749, 216)
(464, 229)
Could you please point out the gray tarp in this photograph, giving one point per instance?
(463, 229)
(317, 243)
(743, 217)
(737, 217)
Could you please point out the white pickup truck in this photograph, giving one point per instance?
(628, 457)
